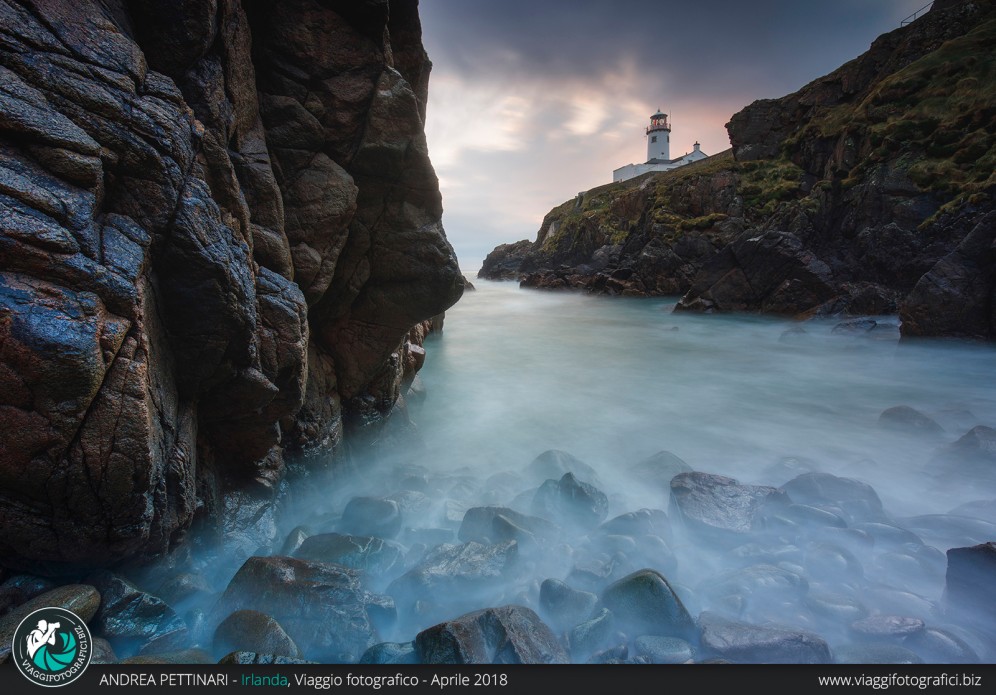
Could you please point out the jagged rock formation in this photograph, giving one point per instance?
(219, 240)
(868, 191)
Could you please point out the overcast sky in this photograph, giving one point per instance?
(532, 101)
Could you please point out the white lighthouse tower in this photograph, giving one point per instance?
(658, 152)
(658, 138)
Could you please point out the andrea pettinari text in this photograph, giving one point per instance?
(304, 680)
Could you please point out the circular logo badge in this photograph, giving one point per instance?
(52, 647)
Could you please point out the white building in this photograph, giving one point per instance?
(658, 152)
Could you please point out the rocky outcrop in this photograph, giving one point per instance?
(219, 228)
(869, 191)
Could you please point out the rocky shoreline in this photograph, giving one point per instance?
(221, 252)
(868, 191)
(547, 564)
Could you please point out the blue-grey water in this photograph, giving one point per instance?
(613, 380)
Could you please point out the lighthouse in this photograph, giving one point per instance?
(658, 137)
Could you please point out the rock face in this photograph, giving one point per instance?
(220, 226)
(849, 196)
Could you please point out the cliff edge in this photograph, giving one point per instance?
(220, 241)
(869, 191)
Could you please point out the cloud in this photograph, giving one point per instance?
(531, 101)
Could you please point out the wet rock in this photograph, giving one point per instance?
(874, 654)
(658, 470)
(103, 652)
(592, 635)
(134, 619)
(500, 524)
(643, 522)
(505, 635)
(81, 599)
(554, 464)
(564, 606)
(374, 555)
(371, 516)
(613, 655)
(20, 588)
(908, 420)
(840, 608)
(184, 587)
(968, 587)
(390, 653)
(572, 501)
(252, 631)
(745, 643)
(971, 459)
(886, 627)
(719, 507)
(294, 539)
(889, 535)
(254, 659)
(457, 572)
(645, 604)
(320, 606)
(663, 650)
(858, 499)
(826, 560)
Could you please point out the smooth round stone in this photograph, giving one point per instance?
(874, 654)
(663, 650)
(886, 534)
(887, 627)
(836, 606)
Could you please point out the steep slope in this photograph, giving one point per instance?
(220, 237)
(869, 190)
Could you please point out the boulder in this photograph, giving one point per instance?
(908, 420)
(658, 470)
(554, 464)
(320, 606)
(645, 604)
(499, 524)
(744, 643)
(663, 650)
(374, 555)
(371, 516)
(390, 653)
(132, 619)
(719, 507)
(858, 499)
(968, 586)
(251, 631)
(81, 599)
(563, 606)
(571, 501)
(505, 635)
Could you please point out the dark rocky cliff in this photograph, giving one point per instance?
(220, 239)
(868, 191)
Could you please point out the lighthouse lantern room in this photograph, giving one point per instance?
(658, 137)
